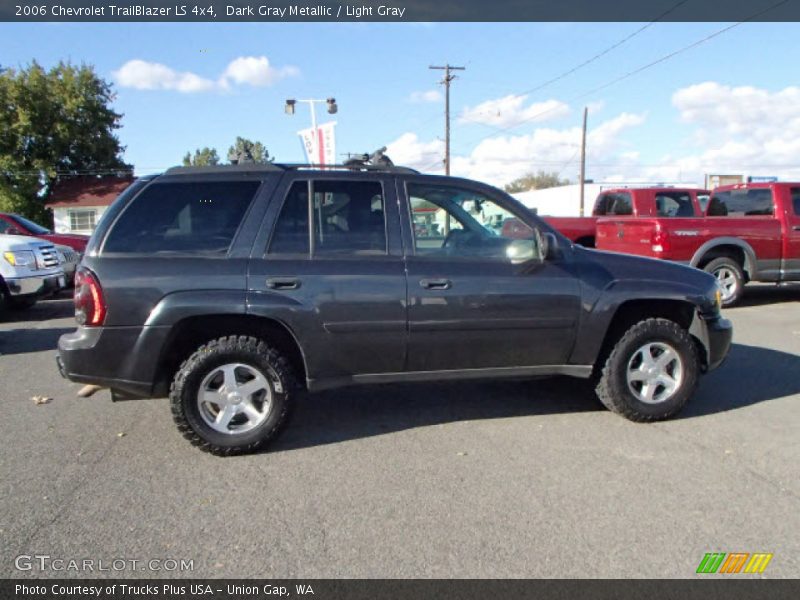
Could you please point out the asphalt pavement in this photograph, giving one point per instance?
(511, 479)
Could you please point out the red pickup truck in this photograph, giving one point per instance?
(750, 232)
(630, 203)
(17, 225)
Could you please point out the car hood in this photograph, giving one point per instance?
(21, 242)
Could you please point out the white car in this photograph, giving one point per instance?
(69, 259)
(29, 269)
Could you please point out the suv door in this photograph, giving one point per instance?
(471, 303)
(328, 264)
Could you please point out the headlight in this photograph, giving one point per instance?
(20, 258)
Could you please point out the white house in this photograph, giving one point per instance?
(78, 202)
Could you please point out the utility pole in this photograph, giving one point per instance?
(583, 155)
(446, 81)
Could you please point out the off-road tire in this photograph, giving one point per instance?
(240, 349)
(738, 274)
(612, 389)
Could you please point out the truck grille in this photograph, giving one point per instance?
(46, 257)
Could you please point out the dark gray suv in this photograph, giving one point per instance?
(234, 289)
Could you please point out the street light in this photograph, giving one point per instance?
(332, 109)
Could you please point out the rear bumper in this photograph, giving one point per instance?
(38, 285)
(124, 359)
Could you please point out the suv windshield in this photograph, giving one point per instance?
(30, 225)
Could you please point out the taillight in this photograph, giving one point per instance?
(90, 306)
(659, 241)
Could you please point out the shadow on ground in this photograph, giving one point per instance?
(750, 375)
(763, 294)
(58, 307)
(23, 341)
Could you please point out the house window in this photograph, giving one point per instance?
(82, 220)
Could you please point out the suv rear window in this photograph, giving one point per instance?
(613, 204)
(674, 204)
(754, 202)
(192, 217)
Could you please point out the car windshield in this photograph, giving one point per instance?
(30, 225)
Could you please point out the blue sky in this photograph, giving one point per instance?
(661, 124)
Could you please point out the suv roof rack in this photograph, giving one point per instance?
(238, 168)
(276, 167)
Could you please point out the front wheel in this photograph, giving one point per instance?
(651, 373)
(233, 395)
(730, 277)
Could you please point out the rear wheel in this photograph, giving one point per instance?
(651, 373)
(233, 395)
(730, 277)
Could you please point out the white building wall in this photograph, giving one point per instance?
(565, 200)
(61, 218)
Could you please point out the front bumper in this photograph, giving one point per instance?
(716, 335)
(38, 285)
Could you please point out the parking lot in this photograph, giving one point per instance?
(512, 479)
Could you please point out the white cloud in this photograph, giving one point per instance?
(501, 159)
(244, 70)
(409, 151)
(255, 71)
(143, 75)
(510, 111)
(742, 130)
(426, 96)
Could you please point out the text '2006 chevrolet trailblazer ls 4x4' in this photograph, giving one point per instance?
(233, 289)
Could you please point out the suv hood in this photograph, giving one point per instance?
(627, 267)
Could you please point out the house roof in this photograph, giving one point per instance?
(87, 191)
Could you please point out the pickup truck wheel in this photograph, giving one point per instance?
(730, 277)
(233, 395)
(651, 373)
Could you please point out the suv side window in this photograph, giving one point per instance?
(741, 203)
(291, 235)
(349, 219)
(192, 217)
(456, 222)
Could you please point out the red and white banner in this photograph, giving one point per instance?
(320, 144)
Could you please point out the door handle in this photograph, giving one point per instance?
(283, 283)
(796, 227)
(436, 284)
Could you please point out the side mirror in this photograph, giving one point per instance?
(550, 251)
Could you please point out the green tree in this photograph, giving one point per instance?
(245, 150)
(53, 123)
(203, 157)
(538, 181)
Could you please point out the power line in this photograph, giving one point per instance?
(639, 69)
(601, 54)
